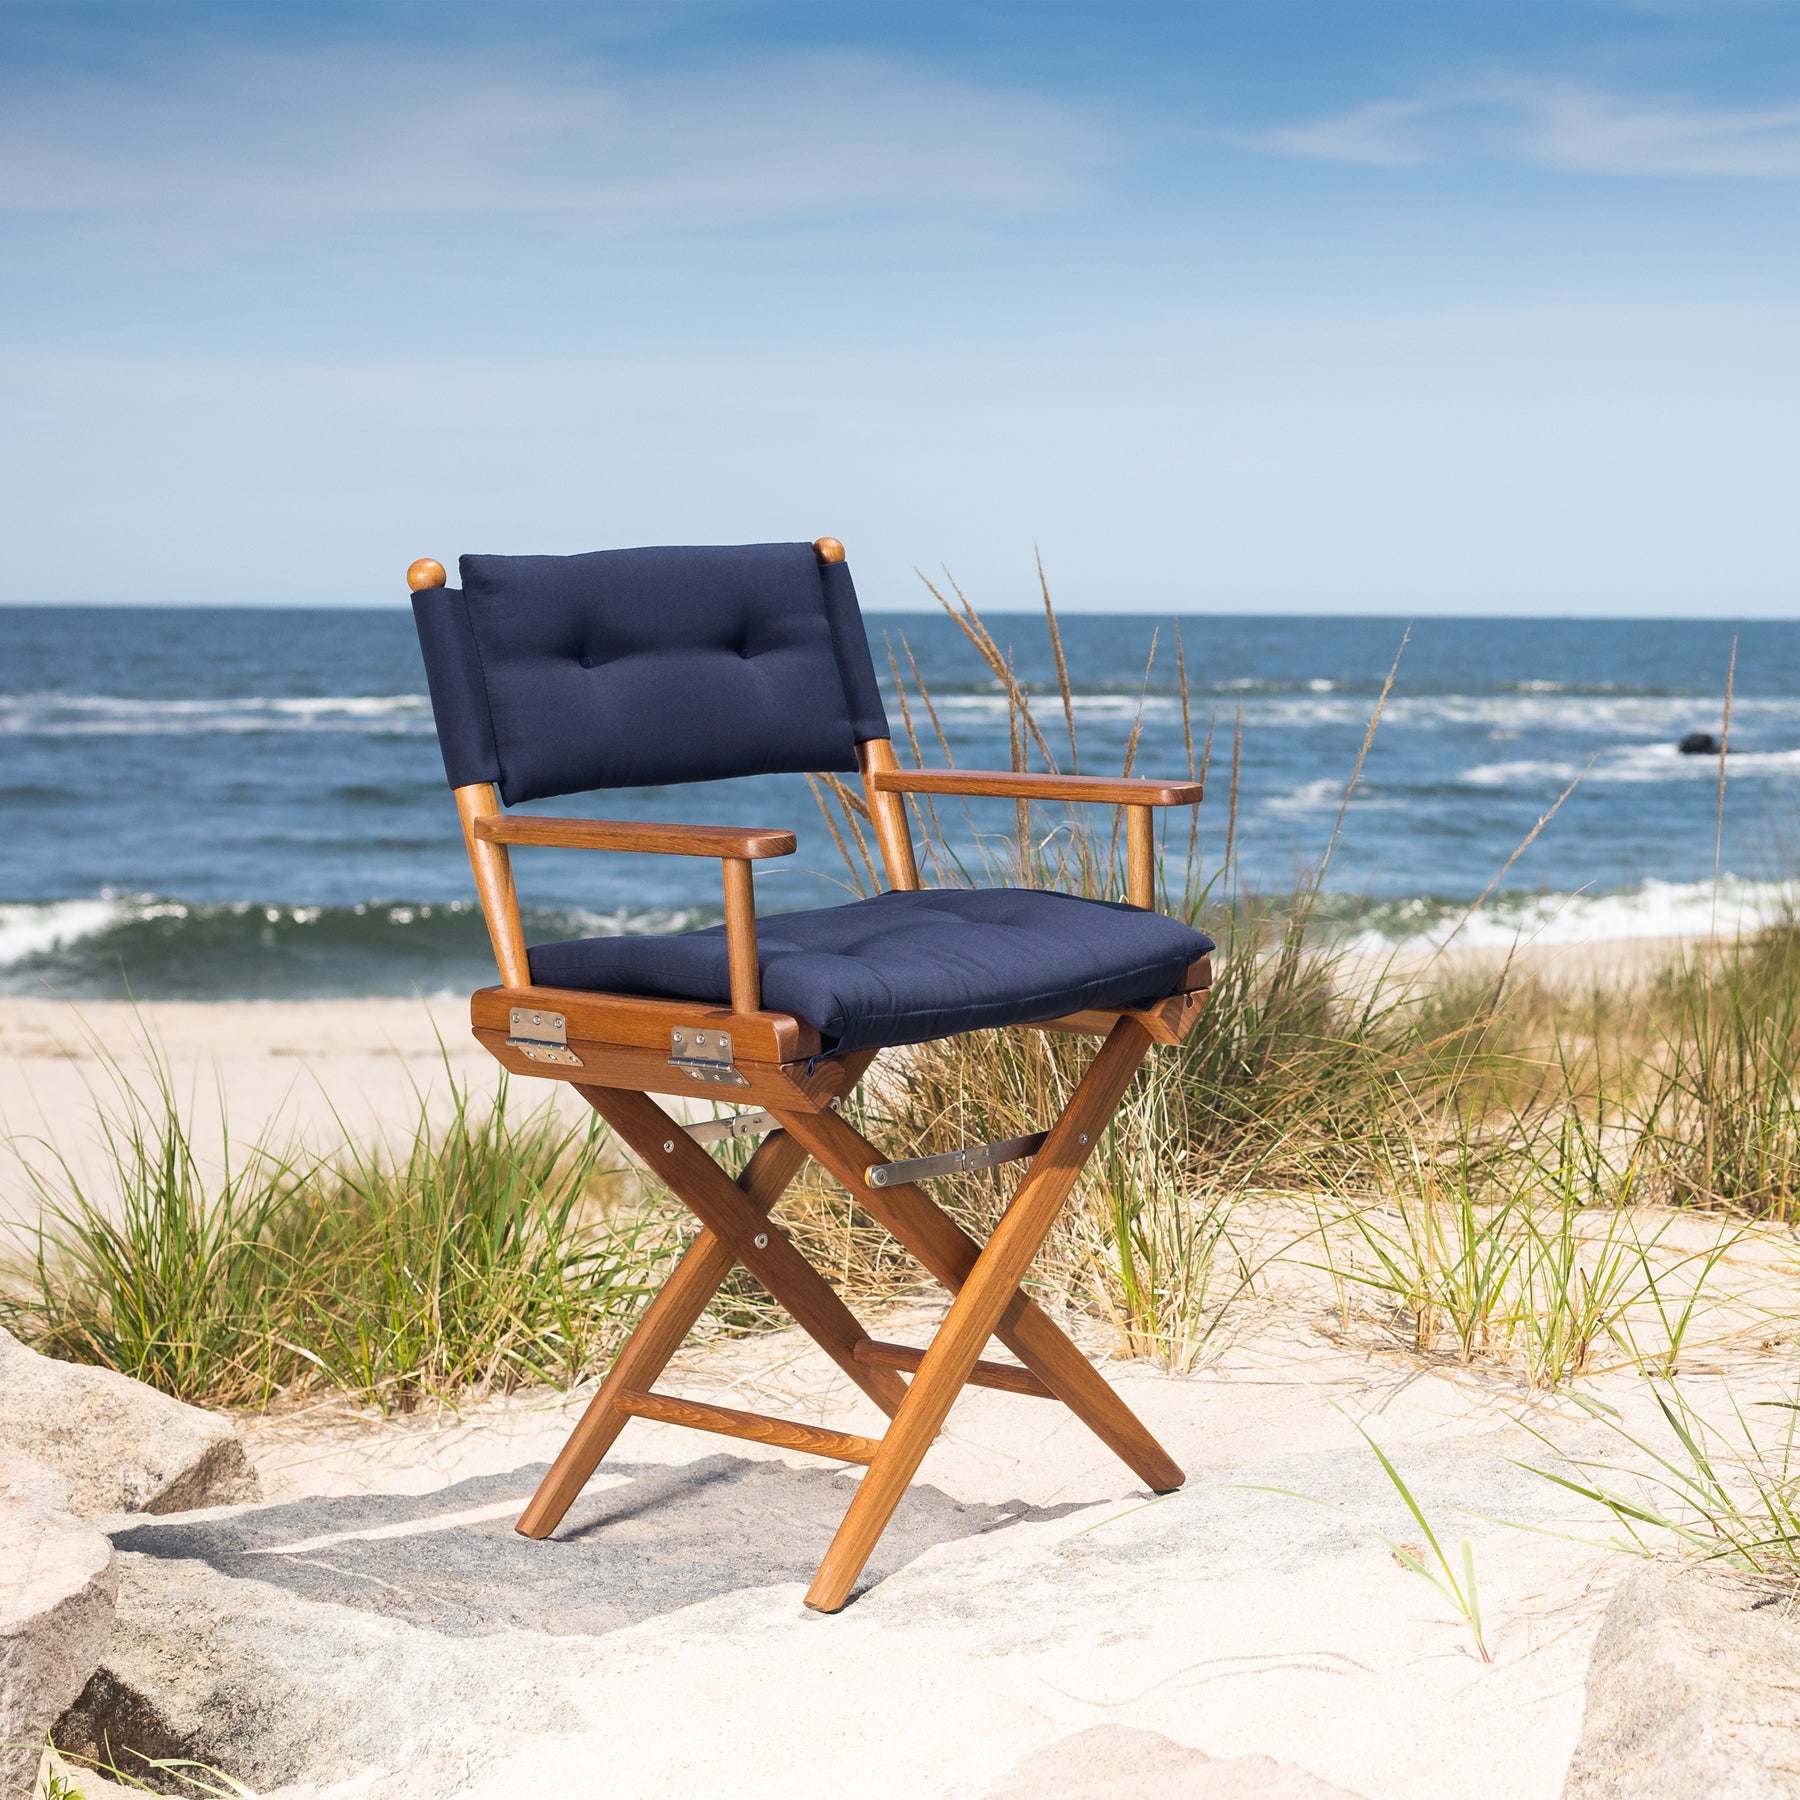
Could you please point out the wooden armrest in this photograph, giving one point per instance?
(1007, 785)
(727, 841)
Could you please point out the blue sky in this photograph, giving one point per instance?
(1436, 307)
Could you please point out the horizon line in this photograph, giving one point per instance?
(922, 612)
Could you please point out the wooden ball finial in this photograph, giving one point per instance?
(426, 572)
(828, 550)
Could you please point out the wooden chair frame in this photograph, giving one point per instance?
(615, 1052)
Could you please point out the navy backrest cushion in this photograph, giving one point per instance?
(632, 668)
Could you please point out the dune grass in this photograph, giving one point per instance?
(1470, 1160)
(1713, 1485)
(479, 1254)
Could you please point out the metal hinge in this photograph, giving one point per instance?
(542, 1036)
(728, 1130)
(737, 1125)
(705, 1056)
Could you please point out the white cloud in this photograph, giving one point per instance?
(334, 137)
(1555, 125)
(1379, 134)
(1596, 133)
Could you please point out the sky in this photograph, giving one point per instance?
(1441, 307)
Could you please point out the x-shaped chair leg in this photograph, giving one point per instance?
(949, 1255)
(989, 1290)
(985, 1282)
(685, 1296)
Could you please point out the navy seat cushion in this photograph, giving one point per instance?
(904, 968)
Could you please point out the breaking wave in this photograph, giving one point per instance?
(163, 949)
(1650, 909)
(107, 715)
(1634, 762)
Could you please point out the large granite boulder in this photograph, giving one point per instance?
(272, 1689)
(122, 1446)
(1694, 1689)
(59, 1582)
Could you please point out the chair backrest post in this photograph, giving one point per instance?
(740, 935)
(888, 811)
(494, 885)
(492, 866)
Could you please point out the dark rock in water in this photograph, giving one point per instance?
(1699, 743)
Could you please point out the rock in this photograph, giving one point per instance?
(58, 1583)
(272, 1689)
(123, 1446)
(1118, 1762)
(1694, 1688)
(1699, 743)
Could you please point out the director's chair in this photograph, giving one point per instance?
(554, 675)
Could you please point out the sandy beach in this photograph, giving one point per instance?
(307, 1072)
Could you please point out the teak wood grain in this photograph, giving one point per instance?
(1140, 857)
(720, 1205)
(644, 1023)
(985, 1374)
(748, 842)
(992, 1288)
(1002, 784)
(757, 1428)
(893, 831)
(949, 1254)
(492, 868)
(803, 1085)
(740, 936)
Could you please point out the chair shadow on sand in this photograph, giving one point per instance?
(655, 1539)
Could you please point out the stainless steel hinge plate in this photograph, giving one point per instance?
(728, 1130)
(542, 1037)
(705, 1056)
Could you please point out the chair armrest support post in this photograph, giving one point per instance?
(740, 935)
(887, 810)
(1140, 857)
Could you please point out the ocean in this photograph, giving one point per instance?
(248, 802)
